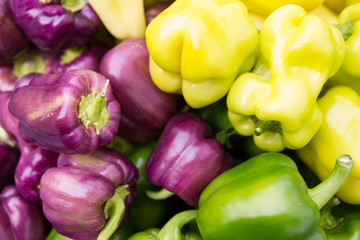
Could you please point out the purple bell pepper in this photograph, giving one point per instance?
(19, 218)
(29, 171)
(7, 78)
(42, 62)
(33, 162)
(74, 112)
(9, 157)
(145, 108)
(12, 38)
(187, 158)
(52, 26)
(85, 197)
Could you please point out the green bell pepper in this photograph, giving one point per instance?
(266, 197)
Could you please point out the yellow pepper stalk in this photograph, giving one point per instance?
(265, 7)
(122, 18)
(199, 47)
(276, 102)
(338, 134)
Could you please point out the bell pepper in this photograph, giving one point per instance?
(335, 5)
(145, 109)
(338, 134)
(186, 158)
(12, 37)
(73, 112)
(68, 24)
(197, 48)
(266, 196)
(95, 190)
(19, 218)
(267, 7)
(276, 102)
(29, 170)
(122, 18)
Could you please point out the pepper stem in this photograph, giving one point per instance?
(263, 126)
(71, 54)
(92, 109)
(5, 138)
(160, 195)
(114, 211)
(172, 229)
(346, 29)
(323, 192)
(328, 220)
(73, 5)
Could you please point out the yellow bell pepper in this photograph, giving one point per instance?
(199, 47)
(276, 102)
(338, 134)
(122, 18)
(336, 5)
(349, 25)
(265, 7)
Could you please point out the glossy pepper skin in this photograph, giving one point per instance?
(85, 184)
(19, 218)
(198, 48)
(51, 26)
(7, 78)
(145, 108)
(298, 53)
(338, 134)
(74, 112)
(30, 169)
(265, 192)
(186, 158)
(12, 37)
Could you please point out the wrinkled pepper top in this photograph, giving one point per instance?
(338, 134)
(197, 48)
(297, 54)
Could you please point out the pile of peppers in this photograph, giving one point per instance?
(179, 120)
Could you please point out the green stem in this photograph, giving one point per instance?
(172, 229)
(28, 62)
(73, 5)
(263, 126)
(114, 211)
(71, 54)
(92, 109)
(346, 29)
(224, 136)
(323, 192)
(160, 195)
(328, 220)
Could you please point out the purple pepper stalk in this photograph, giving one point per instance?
(55, 25)
(145, 108)
(87, 196)
(74, 112)
(186, 159)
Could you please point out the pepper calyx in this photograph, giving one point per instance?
(73, 5)
(93, 111)
(71, 54)
(346, 29)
